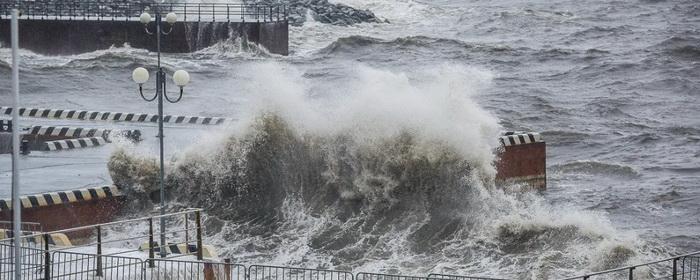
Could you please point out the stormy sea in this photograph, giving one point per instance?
(371, 147)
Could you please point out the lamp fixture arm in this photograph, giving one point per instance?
(145, 28)
(165, 92)
(166, 33)
(144, 97)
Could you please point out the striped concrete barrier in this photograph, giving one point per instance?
(523, 160)
(182, 249)
(67, 132)
(520, 138)
(111, 116)
(70, 144)
(55, 198)
(68, 209)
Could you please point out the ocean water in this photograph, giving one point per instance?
(370, 147)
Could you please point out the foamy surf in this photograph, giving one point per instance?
(391, 173)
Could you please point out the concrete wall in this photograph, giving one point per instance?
(70, 215)
(58, 37)
(68, 209)
(275, 36)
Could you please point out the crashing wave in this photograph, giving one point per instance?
(351, 44)
(398, 178)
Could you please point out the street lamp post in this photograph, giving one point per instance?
(181, 77)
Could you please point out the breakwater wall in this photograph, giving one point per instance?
(68, 209)
(73, 36)
(522, 160)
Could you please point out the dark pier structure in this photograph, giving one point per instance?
(59, 27)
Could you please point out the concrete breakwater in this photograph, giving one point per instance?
(61, 37)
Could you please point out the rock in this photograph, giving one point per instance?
(324, 11)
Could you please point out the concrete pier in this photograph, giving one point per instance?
(64, 37)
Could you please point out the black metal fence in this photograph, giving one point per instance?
(43, 258)
(130, 11)
(434, 276)
(690, 268)
(195, 270)
(32, 262)
(267, 272)
(78, 266)
(380, 276)
(685, 267)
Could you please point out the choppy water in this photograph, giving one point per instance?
(612, 85)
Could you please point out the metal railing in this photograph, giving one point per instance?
(71, 265)
(683, 267)
(130, 11)
(435, 276)
(78, 266)
(380, 276)
(267, 272)
(32, 262)
(44, 259)
(195, 270)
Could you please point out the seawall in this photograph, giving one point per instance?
(522, 160)
(65, 37)
(67, 209)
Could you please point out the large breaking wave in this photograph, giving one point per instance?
(393, 172)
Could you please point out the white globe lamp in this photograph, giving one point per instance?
(140, 75)
(181, 78)
(145, 18)
(171, 18)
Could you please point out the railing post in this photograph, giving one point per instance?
(185, 11)
(227, 268)
(198, 217)
(213, 14)
(228, 13)
(47, 257)
(187, 229)
(675, 269)
(99, 252)
(151, 255)
(631, 275)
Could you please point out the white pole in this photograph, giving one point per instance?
(16, 208)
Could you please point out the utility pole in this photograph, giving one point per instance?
(16, 205)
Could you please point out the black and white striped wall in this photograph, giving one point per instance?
(55, 198)
(520, 138)
(111, 116)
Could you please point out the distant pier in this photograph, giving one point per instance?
(78, 26)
